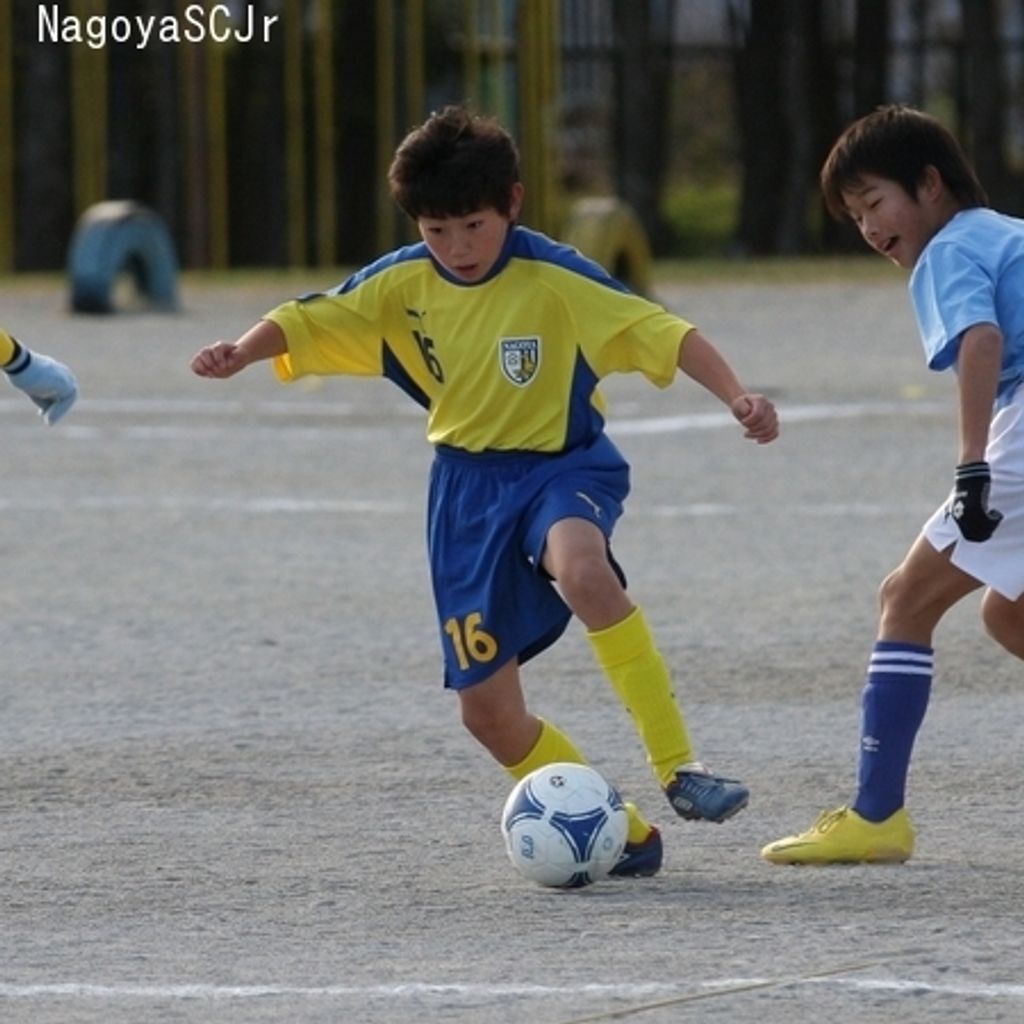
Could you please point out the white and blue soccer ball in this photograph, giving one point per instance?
(564, 826)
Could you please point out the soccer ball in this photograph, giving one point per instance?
(564, 826)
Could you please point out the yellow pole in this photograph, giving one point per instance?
(529, 133)
(537, 63)
(499, 105)
(471, 55)
(553, 112)
(294, 157)
(386, 102)
(415, 81)
(6, 138)
(89, 114)
(191, 126)
(326, 171)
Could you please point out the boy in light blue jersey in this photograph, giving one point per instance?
(502, 336)
(908, 187)
(50, 384)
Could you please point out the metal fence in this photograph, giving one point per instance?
(261, 131)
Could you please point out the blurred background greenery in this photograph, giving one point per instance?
(707, 119)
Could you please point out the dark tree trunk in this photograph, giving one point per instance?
(357, 133)
(984, 116)
(870, 55)
(763, 142)
(43, 215)
(642, 124)
(786, 89)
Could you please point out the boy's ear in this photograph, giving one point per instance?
(932, 184)
(515, 205)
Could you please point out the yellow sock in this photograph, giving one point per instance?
(553, 745)
(639, 828)
(641, 679)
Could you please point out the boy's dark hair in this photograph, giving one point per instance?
(453, 164)
(897, 142)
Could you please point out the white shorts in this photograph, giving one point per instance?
(998, 562)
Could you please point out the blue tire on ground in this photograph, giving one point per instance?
(120, 237)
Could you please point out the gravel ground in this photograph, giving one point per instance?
(233, 790)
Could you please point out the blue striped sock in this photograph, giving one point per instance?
(893, 705)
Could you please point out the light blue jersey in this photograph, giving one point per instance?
(972, 272)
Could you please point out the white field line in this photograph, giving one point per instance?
(191, 411)
(420, 990)
(269, 505)
(262, 505)
(214, 408)
(787, 415)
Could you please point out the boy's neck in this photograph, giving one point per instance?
(945, 211)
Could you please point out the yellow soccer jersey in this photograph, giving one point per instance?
(509, 363)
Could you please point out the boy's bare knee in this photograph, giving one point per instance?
(582, 578)
(893, 596)
(507, 731)
(909, 610)
(481, 721)
(1004, 621)
(594, 592)
(916, 595)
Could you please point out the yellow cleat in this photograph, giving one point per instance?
(842, 836)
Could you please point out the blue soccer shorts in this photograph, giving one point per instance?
(488, 517)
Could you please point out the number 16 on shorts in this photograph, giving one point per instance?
(471, 643)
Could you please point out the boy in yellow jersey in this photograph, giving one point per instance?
(49, 384)
(502, 336)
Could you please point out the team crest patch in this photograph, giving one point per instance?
(520, 359)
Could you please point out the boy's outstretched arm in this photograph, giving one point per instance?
(978, 365)
(226, 358)
(50, 384)
(700, 360)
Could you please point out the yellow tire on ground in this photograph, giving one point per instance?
(608, 231)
